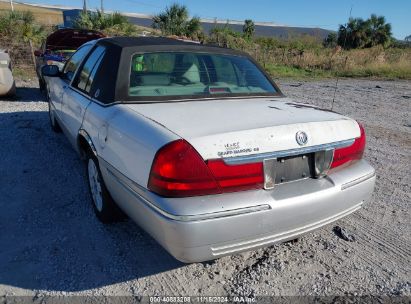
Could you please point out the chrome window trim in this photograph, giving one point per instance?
(238, 160)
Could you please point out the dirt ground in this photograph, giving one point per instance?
(52, 244)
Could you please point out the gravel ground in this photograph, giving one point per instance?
(51, 243)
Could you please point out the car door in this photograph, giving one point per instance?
(58, 85)
(76, 97)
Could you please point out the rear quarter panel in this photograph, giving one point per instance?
(125, 139)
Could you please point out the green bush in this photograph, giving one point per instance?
(16, 26)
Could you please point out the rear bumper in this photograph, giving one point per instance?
(244, 220)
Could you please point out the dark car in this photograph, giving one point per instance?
(59, 46)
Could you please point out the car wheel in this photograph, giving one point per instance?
(53, 123)
(42, 85)
(104, 206)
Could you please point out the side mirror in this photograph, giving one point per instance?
(50, 71)
(38, 53)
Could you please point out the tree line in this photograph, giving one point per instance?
(357, 33)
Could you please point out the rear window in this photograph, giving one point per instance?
(203, 74)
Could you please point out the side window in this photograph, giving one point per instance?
(93, 74)
(89, 69)
(74, 61)
(156, 63)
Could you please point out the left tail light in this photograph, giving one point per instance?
(232, 178)
(349, 154)
(178, 170)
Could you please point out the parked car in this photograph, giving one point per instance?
(7, 84)
(201, 149)
(59, 46)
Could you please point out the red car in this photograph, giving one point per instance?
(59, 46)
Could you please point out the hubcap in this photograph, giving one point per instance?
(95, 185)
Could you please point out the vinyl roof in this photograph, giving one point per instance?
(163, 44)
(146, 41)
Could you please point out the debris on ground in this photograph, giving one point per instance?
(343, 234)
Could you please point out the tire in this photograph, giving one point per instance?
(42, 86)
(104, 206)
(53, 122)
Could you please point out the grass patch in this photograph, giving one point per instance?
(380, 71)
(385, 71)
(24, 73)
(283, 71)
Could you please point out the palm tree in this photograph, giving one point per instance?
(354, 34)
(379, 31)
(359, 33)
(248, 28)
(175, 21)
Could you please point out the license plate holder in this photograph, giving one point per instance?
(288, 169)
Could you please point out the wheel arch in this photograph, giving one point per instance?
(85, 144)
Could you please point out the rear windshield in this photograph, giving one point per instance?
(182, 74)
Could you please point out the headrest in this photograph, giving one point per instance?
(192, 74)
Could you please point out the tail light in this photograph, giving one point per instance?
(349, 154)
(179, 171)
(232, 178)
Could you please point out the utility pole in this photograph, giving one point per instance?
(12, 7)
(85, 6)
(102, 7)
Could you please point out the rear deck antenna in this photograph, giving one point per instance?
(85, 6)
(338, 78)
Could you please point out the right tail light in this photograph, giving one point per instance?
(349, 154)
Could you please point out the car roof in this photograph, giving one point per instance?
(164, 44)
(113, 74)
(144, 41)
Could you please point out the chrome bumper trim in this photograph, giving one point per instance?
(260, 157)
(135, 190)
(271, 239)
(357, 181)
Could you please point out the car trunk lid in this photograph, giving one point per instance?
(241, 127)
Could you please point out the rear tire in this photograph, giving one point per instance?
(42, 85)
(104, 206)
